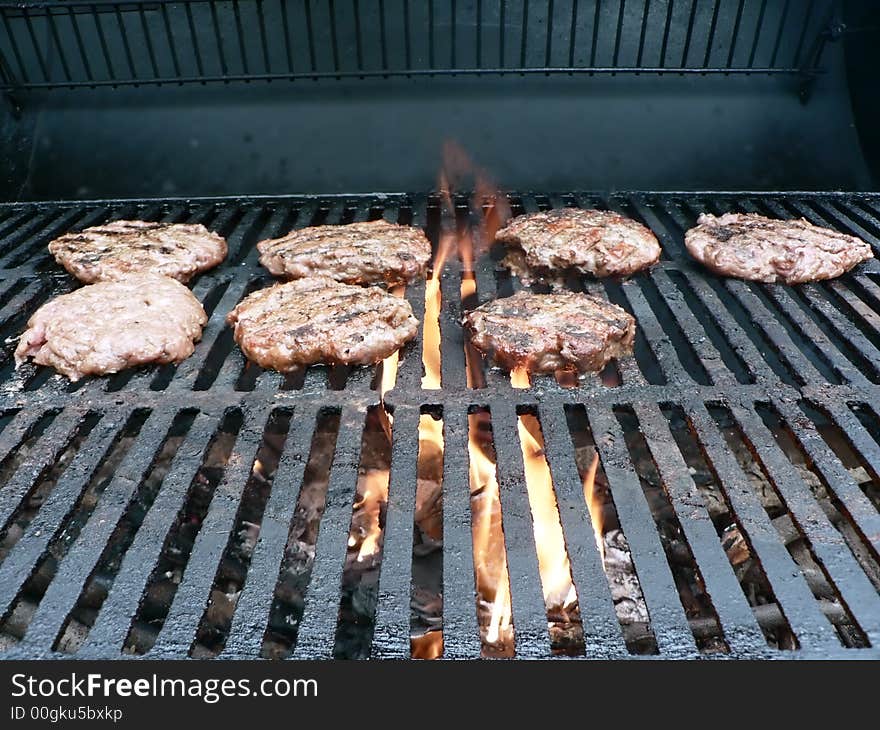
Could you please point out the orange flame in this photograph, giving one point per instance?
(390, 363)
(456, 171)
(459, 172)
(553, 564)
(595, 505)
(519, 378)
(375, 493)
(426, 646)
(431, 325)
(490, 554)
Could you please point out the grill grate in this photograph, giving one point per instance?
(750, 411)
(158, 42)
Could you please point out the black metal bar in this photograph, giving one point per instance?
(667, 616)
(713, 27)
(18, 565)
(394, 73)
(802, 38)
(826, 544)
(548, 52)
(35, 44)
(169, 34)
(264, 43)
(734, 36)
(41, 457)
(62, 57)
(383, 41)
(689, 34)
(17, 431)
(311, 35)
(524, 38)
(741, 630)
(461, 635)
(112, 624)
(200, 67)
(254, 603)
(236, 11)
(595, 45)
(179, 629)
(391, 636)
(123, 35)
(664, 44)
(837, 479)
(359, 51)
(285, 27)
(759, 26)
(529, 612)
(794, 597)
(618, 37)
(148, 41)
(777, 45)
(602, 631)
(76, 567)
(317, 629)
(453, 23)
(22, 69)
(572, 33)
(643, 33)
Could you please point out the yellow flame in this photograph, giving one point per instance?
(431, 325)
(595, 505)
(390, 363)
(519, 378)
(553, 561)
(375, 486)
(490, 555)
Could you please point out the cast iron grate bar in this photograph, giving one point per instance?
(706, 344)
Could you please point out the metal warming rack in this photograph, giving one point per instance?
(715, 359)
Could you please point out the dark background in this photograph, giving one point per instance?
(531, 132)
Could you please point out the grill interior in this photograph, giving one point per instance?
(214, 509)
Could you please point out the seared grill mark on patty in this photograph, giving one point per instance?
(319, 320)
(120, 248)
(544, 333)
(374, 252)
(596, 242)
(750, 246)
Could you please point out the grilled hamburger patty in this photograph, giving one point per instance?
(750, 246)
(358, 253)
(113, 325)
(597, 242)
(547, 332)
(101, 253)
(319, 320)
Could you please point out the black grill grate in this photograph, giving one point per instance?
(123, 496)
(49, 45)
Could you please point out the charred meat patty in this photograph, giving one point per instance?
(596, 242)
(544, 333)
(113, 325)
(750, 246)
(319, 320)
(119, 248)
(358, 253)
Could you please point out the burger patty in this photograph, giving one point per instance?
(596, 242)
(544, 333)
(319, 320)
(358, 253)
(750, 246)
(113, 325)
(101, 253)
